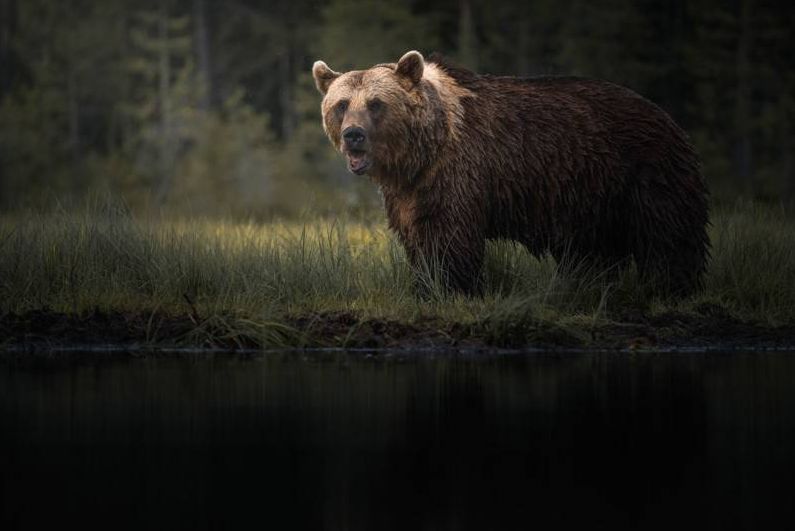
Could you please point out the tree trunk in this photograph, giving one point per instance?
(285, 93)
(164, 97)
(73, 112)
(523, 41)
(787, 169)
(204, 66)
(743, 147)
(8, 20)
(467, 40)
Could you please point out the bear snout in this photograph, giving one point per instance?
(354, 138)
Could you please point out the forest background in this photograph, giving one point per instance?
(207, 107)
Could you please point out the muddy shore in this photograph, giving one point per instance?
(45, 330)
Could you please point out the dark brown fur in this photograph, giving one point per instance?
(584, 169)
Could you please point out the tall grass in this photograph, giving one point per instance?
(266, 272)
(752, 271)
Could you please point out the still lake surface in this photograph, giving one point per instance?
(355, 442)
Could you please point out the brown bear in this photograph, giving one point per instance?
(586, 170)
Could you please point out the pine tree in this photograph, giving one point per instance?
(164, 94)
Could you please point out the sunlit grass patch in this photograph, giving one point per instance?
(244, 280)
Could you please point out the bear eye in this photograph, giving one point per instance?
(375, 105)
(342, 106)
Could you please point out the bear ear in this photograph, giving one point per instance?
(410, 68)
(323, 76)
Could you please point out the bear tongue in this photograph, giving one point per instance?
(357, 161)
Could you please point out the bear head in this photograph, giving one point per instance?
(388, 120)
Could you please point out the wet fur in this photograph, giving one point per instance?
(584, 169)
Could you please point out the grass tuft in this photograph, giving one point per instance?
(247, 283)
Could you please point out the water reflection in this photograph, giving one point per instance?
(370, 443)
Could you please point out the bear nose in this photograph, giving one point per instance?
(354, 137)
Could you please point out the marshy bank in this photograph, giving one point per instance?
(103, 276)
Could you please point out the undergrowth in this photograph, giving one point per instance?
(244, 281)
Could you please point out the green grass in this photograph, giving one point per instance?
(250, 280)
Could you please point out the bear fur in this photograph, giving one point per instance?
(584, 169)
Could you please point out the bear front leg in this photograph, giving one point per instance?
(450, 260)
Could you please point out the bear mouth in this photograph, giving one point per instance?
(358, 161)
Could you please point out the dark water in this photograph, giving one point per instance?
(343, 442)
